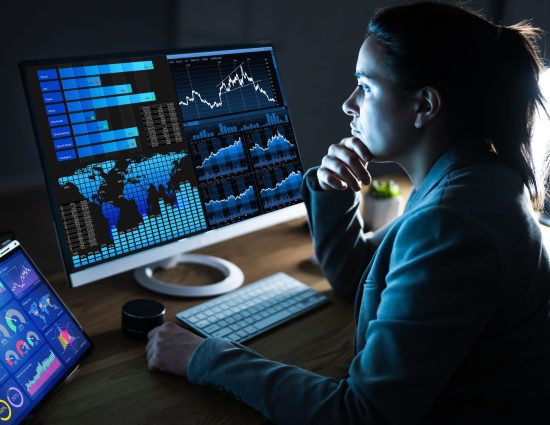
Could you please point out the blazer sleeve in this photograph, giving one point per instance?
(341, 246)
(440, 292)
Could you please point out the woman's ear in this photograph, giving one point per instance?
(428, 105)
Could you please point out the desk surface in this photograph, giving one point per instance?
(114, 384)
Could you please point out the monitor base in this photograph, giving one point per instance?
(234, 276)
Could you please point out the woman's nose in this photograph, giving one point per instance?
(350, 106)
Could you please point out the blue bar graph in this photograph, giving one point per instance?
(98, 92)
(55, 96)
(79, 117)
(274, 119)
(106, 102)
(46, 74)
(203, 134)
(106, 136)
(57, 120)
(90, 127)
(78, 83)
(107, 148)
(227, 129)
(250, 126)
(113, 68)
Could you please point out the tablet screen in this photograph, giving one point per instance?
(40, 341)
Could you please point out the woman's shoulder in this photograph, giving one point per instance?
(486, 198)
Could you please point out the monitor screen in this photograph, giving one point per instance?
(41, 342)
(142, 151)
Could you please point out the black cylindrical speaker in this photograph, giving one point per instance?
(140, 316)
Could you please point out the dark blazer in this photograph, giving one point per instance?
(452, 310)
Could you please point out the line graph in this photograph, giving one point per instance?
(230, 200)
(219, 157)
(225, 84)
(239, 80)
(281, 186)
(18, 274)
(270, 146)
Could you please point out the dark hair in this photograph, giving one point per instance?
(487, 74)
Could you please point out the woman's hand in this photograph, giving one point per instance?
(345, 165)
(170, 348)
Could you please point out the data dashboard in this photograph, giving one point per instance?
(143, 150)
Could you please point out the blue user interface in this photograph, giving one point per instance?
(40, 342)
(146, 150)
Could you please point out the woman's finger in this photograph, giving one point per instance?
(353, 162)
(342, 172)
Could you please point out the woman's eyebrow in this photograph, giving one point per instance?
(360, 74)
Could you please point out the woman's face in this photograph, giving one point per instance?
(382, 118)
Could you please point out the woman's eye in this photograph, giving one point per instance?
(364, 88)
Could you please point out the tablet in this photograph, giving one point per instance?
(41, 343)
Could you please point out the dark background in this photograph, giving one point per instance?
(316, 43)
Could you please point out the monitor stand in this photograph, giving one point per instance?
(234, 276)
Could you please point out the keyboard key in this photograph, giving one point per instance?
(212, 328)
(250, 329)
(272, 319)
(233, 337)
(222, 332)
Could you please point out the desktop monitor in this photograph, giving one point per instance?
(147, 155)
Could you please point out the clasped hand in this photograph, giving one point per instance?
(345, 165)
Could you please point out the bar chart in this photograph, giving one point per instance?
(72, 97)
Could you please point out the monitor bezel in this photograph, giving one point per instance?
(132, 261)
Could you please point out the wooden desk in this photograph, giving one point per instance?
(114, 385)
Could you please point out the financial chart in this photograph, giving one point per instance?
(238, 127)
(142, 151)
(280, 186)
(220, 85)
(230, 200)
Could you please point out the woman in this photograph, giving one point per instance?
(451, 298)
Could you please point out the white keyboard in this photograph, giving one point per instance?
(252, 310)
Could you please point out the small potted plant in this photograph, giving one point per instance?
(381, 203)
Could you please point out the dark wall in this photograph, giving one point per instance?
(34, 30)
(316, 41)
